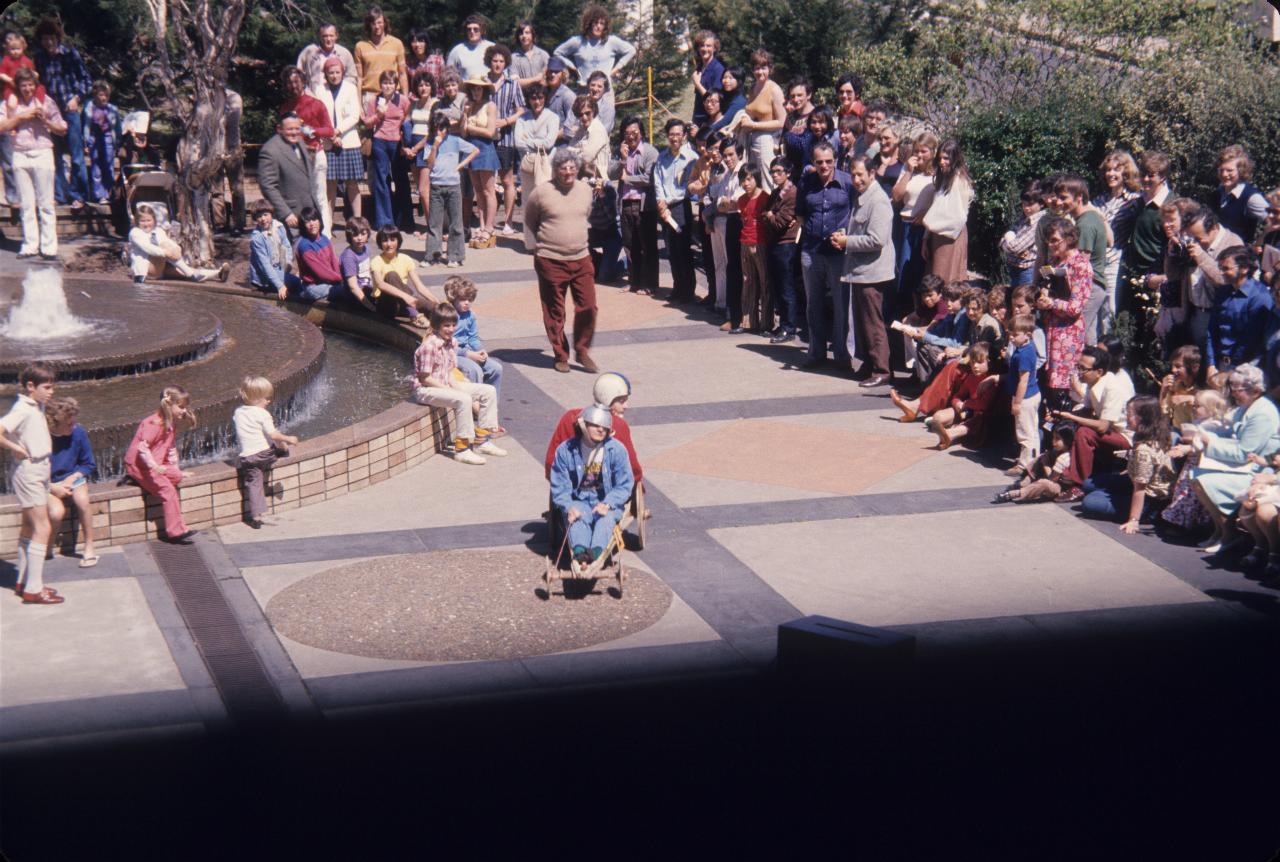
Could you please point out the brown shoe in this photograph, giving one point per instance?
(562, 366)
(588, 363)
(44, 597)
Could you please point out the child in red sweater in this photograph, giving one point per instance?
(757, 298)
(317, 264)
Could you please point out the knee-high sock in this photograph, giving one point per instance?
(35, 567)
(23, 553)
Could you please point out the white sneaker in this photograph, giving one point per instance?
(488, 447)
(453, 264)
(466, 456)
(508, 230)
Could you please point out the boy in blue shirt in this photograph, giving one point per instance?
(473, 360)
(591, 482)
(1020, 384)
(448, 158)
(271, 254)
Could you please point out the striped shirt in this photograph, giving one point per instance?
(509, 100)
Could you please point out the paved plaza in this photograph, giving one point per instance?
(775, 494)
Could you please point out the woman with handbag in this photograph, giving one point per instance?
(536, 133)
(946, 242)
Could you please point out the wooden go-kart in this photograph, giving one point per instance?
(609, 563)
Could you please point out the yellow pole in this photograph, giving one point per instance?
(650, 71)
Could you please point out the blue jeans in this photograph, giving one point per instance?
(1019, 277)
(490, 372)
(591, 530)
(822, 280)
(300, 292)
(781, 259)
(67, 189)
(446, 198)
(911, 264)
(6, 167)
(1107, 496)
(383, 157)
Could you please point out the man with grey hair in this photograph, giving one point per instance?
(557, 213)
(312, 59)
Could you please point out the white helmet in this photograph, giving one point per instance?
(609, 387)
(597, 415)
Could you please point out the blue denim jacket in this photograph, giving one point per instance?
(616, 479)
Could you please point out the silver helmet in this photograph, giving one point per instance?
(597, 415)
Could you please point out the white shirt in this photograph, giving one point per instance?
(253, 427)
(25, 424)
(1108, 399)
(469, 59)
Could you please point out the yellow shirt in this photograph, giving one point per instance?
(400, 266)
(373, 61)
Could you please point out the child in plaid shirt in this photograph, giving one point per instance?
(437, 384)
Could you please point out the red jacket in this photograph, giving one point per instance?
(564, 431)
(313, 113)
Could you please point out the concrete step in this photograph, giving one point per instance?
(92, 220)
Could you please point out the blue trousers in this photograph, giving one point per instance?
(308, 293)
(782, 258)
(1107, 496)
(490, 372)
(822, 280)
(72, 187)
(6, 167)
(385, 168)
(911, 263)
(591, 530)
(446, 200)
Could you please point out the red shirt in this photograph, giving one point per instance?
(313, 113)
(564, 431)
(8, 66)
(751, 210)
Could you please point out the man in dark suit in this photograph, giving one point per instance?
(284, 173)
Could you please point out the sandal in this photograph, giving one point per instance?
(90, 561)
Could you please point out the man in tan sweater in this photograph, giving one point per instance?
(557, 212)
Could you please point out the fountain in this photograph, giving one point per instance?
(43, 314)
(115, 346)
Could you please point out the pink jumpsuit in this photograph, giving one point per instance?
(154, 446)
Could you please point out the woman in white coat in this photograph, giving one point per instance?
(346, 165)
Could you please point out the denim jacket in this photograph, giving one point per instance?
(616, 479)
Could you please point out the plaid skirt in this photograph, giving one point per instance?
(346, 164)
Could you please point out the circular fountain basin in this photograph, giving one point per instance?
(147, 337)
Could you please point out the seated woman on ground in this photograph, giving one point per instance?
(1134, 495)
(397, 290)
(1042, 479)
(152, 254)
(1219, 480)
(955, 383)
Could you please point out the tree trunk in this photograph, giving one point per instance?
(200, 158)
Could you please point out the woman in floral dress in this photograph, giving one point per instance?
(1061, 303)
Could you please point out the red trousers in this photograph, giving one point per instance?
(578, 276)
(1085, 449)
(166, 488)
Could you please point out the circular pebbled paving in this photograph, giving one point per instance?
(459, 606)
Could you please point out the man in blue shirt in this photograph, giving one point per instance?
(68, 83)
(670, 181)
(823, 203)
(1238, 322)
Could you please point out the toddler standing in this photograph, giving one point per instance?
(152, 459)
(1020, 385)
(101, 124)
(256, 435)
(24, 431)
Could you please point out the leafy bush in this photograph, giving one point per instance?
(1007, 146)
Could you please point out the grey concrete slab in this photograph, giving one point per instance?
(903, 569)
(102, 642)
(784, 406)
(107, 713)
(464, 679)
(275, 661)
(835, 508)
(272, 552)
(636, 663)
(111, 564)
